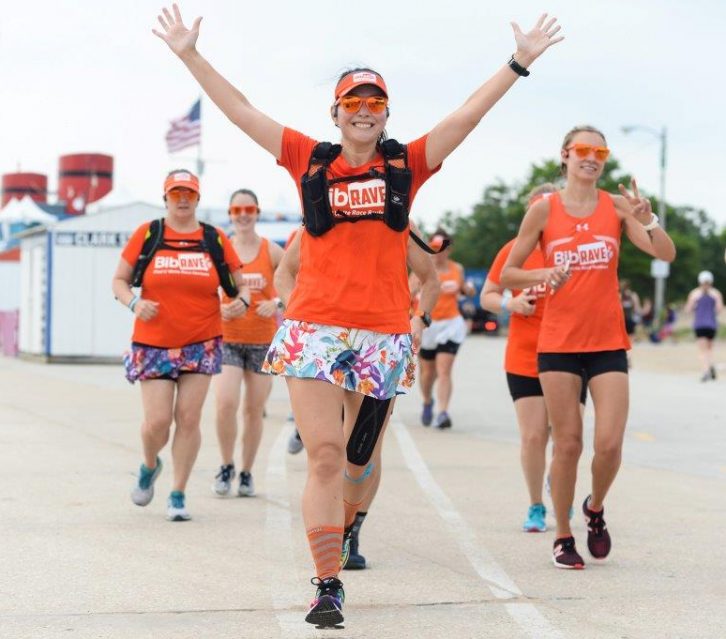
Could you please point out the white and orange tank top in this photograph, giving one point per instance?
(251, 328)
(584, 315)
(451, 280)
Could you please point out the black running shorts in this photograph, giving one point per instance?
(591, 364)
(448, 347)
(523, 386)
(708, 333)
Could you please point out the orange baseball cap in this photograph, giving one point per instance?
(183, 179)
(358, 78)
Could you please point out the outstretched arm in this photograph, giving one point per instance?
(182, 41)
(451, 131)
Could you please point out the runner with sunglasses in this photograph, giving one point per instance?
(520, 364)
(347, 340)
(441, 341)
(246, 340)
(177, 338)
(583, 329)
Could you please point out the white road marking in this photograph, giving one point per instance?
(501, 585)
(285, 584)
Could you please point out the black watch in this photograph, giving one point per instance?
(426, 318)
(517, 68)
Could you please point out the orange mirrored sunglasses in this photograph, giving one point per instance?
(246, 209)
(352, 103)
(176, 194)
(601, 153)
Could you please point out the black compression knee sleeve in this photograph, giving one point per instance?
(367, 429)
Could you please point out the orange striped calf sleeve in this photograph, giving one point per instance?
(326, 544)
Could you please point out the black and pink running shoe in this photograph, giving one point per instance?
(565, 555)
(326, 610)
(598, 537)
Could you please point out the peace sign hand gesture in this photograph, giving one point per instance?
(531, 45)
(180, 39)
(640, 207)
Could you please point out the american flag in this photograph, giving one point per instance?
(186, 131)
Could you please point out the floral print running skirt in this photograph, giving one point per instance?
(380, 365)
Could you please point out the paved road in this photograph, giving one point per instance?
(447, 558)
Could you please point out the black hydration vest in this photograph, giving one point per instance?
(318, 215)
(210, 243)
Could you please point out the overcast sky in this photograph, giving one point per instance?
(81, 76)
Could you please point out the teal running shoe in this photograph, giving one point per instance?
(143, 492)
(176, 508)
(535, 521)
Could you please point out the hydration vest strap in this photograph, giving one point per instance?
(152, 242)
(444, 245)
(211, 243)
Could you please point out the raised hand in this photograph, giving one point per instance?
(532, 44)
(640, 206)
(180, 39)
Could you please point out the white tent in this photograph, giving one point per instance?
(25, 211)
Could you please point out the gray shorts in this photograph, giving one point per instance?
(248, 357)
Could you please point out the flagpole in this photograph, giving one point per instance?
(200, 161)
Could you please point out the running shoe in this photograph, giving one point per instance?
(598, 537)
(175, 507)
(246, 485)
(354, 560)
(327, 607)
(427, 414)
(535, 521)
(712, 370)
(565, 555)
(143, 492)
(443, 420)
(223, 480)
(294, 444)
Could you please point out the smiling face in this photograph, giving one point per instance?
(243, 221)
(588, 168)
(361, 128)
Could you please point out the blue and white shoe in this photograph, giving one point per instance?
(143, 492)
(535, 521)
(176, 508)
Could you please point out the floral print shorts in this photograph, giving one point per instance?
(144, 362)
(377, 364)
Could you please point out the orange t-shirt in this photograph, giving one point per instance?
(354, 275)
(583, 316)
(450, 281)
(520, 357)
(251, 328)
(185, 285)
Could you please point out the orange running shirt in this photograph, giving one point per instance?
(520, 357)
(584, 316)
(185, 285)
(354, 275)
(451, 281)
(251, 328)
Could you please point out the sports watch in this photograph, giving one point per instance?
(426, 318)
(280, 304)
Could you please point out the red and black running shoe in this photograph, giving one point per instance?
(598, 537)
(565, 555)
